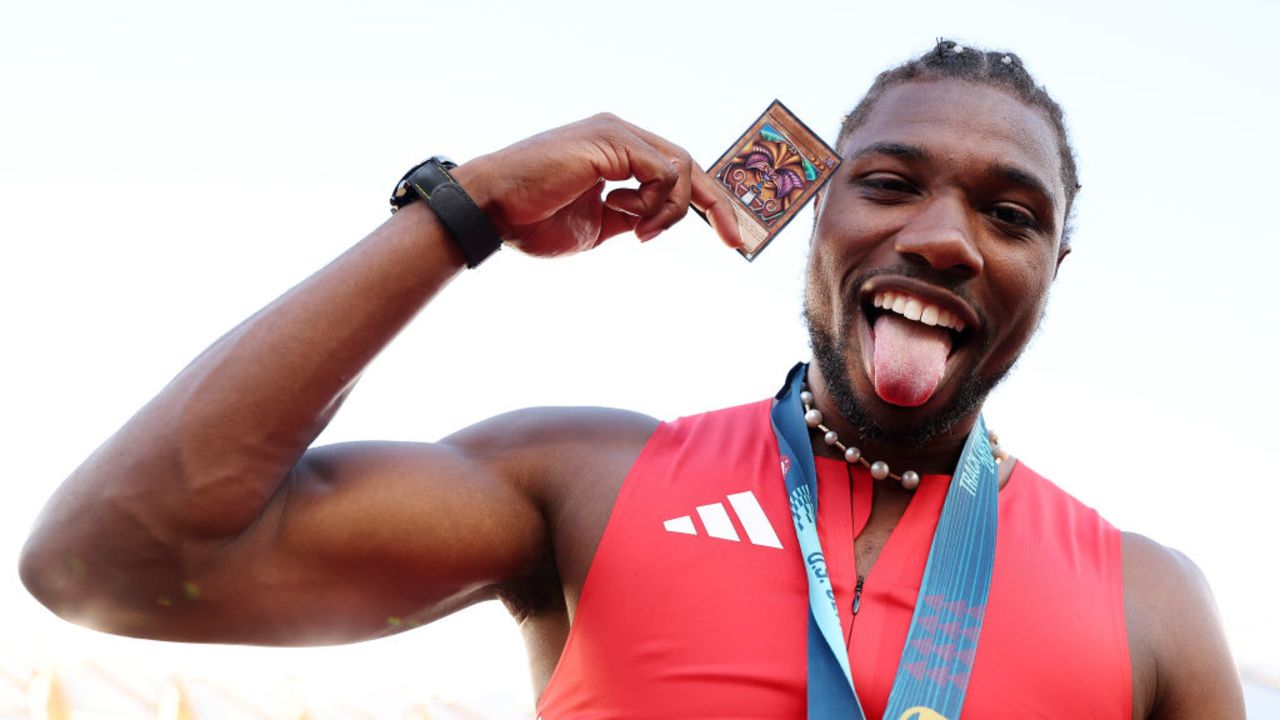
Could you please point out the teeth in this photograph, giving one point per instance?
(918, 310)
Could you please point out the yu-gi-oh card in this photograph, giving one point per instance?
(773, 170)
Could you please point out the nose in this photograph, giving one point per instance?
(941, 234)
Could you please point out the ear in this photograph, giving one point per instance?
(1063, 251)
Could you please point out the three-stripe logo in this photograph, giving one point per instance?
(715, 520)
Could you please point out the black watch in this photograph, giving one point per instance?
(471, 229)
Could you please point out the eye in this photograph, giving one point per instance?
(886, 186)
(1015, 217)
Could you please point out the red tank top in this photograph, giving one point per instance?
(695, 603)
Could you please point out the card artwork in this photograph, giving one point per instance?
(773, 170)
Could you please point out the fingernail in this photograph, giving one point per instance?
(647, 235)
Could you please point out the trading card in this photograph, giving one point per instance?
(773, 170)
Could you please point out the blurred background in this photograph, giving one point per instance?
(166, 168)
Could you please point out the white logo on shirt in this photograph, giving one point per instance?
(715, 520)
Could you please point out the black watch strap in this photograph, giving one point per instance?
(471, 229)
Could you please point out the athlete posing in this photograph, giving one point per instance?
(954, 193)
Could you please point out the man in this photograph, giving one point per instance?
(208, 518)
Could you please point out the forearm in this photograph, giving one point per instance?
(200, 461)
(247, 408)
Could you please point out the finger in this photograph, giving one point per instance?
(610, 221)
(659, 201)
(626, 200)
(669, 181)
(663, 196)
(615, 212)
(615, 222)
(706, 194)
(669, 203)
(711, 198)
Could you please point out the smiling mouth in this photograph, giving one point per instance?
(920, 310)
(913, 308)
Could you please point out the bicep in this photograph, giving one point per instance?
(370, 538)
(1172, 606)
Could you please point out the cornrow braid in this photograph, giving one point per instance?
(949, 60)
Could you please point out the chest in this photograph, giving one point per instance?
(695, 604)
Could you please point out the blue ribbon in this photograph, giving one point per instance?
(934, 671)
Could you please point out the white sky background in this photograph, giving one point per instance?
(166, 168)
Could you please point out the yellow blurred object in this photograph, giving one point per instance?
(46, 698)
(173, 703)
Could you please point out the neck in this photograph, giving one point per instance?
(937, 456)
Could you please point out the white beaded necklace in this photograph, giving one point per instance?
(879, 469)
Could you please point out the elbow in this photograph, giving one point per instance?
(62, 577)
(41, 577)
(123, 582)
(64, 582)
(53, 578)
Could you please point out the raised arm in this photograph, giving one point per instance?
(206, 517)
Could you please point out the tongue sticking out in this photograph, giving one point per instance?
(909, 359)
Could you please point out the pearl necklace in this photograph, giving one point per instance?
(879, 469)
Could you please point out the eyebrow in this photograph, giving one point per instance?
(899, 150)
(1022, 178)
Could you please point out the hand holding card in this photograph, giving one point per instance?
(773, 170)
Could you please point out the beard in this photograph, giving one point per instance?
(830, 356)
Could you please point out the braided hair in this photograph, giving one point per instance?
(949, 60)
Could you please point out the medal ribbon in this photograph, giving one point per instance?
(933, 673)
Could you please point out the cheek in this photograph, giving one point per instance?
(846, 240)
(848, 219)
(842, 240)
(821, 268)
(818, 292)
(1023, 290)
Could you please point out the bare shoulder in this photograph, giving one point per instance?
(571, 461)
(543, 446)
(1182, 666)
(559, 424)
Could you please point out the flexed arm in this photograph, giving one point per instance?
(206, 517)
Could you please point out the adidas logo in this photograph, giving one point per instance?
(715, 520)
